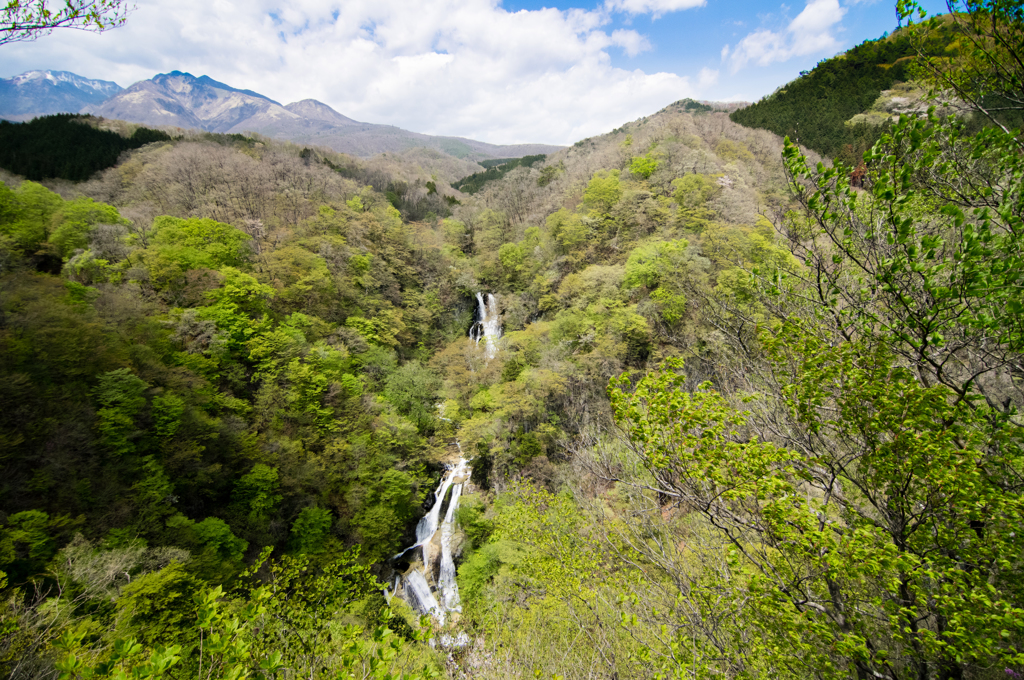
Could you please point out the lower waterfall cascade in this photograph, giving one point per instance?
(434, 537)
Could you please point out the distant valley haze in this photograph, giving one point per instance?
(502, 73)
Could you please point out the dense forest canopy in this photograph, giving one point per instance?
(753, 414)
(68, 146)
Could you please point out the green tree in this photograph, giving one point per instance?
(311, 529)
(158, 607)
(179, 245)
(28, 214)
(660, 267)
(121, 396)
(413, 389)
(603, 191)
(256, 494)
(75, 219)
(643, 166)
(27, 543)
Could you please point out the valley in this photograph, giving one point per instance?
(287, 395)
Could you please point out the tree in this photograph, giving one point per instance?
(24, 20)
(867, 480)
(983, 64)
(121, 396)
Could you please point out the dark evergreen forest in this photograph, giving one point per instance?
(495, 170)
(813, 109)
(66, 146)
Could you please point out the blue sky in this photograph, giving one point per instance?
(504, 72)
(686, 41)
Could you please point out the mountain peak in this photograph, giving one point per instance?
(207, 81)
(42, 92)
(312, 109)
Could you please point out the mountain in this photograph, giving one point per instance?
(183, 100)
(38, 93)
(311, 109)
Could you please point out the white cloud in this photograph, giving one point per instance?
(655, 7)
(454, 67)
(810, 32)
(707, 78)
(631, 42)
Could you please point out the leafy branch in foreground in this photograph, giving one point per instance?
(22, 20)
(982, 64)
(872, 488)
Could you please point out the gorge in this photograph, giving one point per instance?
(428, 584)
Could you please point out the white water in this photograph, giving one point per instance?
(446, 575)
(417, 592)
(428, 524)
(415, 584)
(488, 326)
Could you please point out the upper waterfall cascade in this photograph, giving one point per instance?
(488, 324)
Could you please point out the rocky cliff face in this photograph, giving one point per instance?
(38, 93)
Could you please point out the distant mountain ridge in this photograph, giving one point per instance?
(37, 93)
(180, 99)
(183, 100)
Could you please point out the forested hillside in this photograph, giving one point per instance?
(814, 108)
(246, 342)
(494, 170)
(744, 420)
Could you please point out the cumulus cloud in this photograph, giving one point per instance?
(810, 32)
(655, 7)
(453, 67)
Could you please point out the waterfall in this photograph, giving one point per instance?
(488, 325)
(428, 524)
(420, 596)
(432, 533)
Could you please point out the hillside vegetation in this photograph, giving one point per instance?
(814, 108)
(495, 169)
(244, 347)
